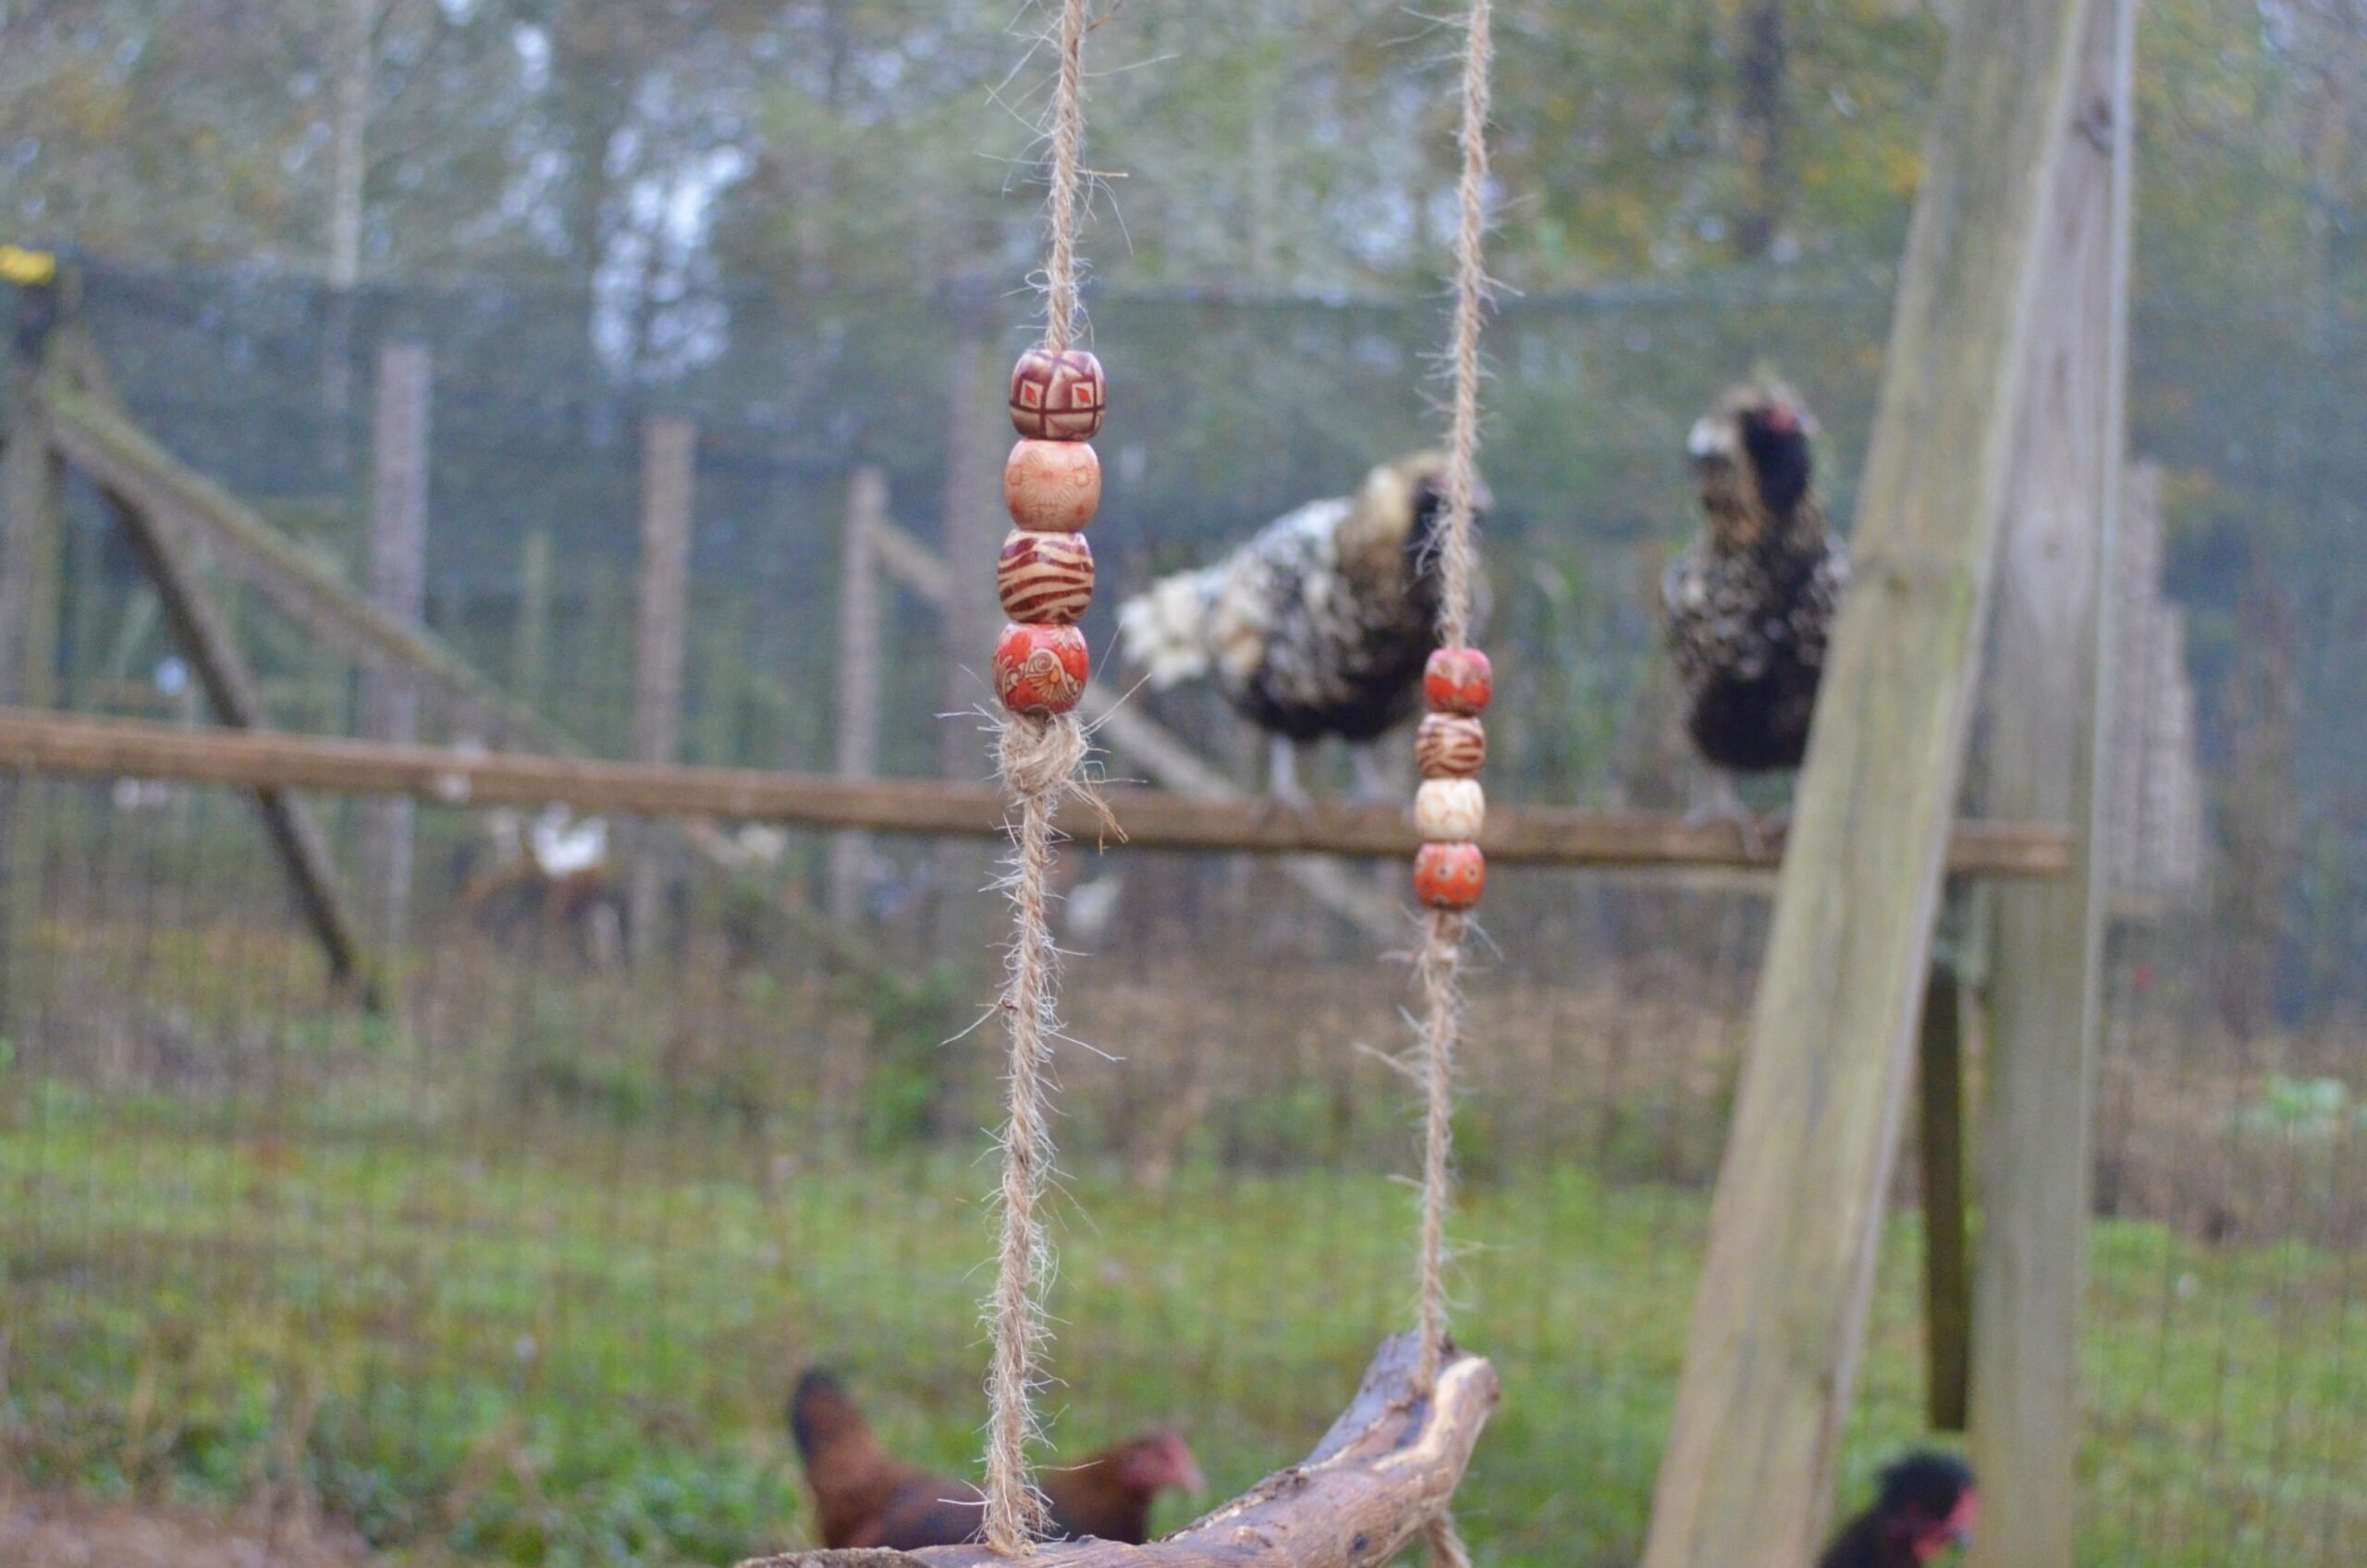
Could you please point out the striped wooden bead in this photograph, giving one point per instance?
(1458, 681)
(1449, 875)
(1052, 486)
(1041, 669)
(1044, 577)
(1447, 811)
(1057, 396)
(1450, 746)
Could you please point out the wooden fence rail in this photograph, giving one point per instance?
(95, 748)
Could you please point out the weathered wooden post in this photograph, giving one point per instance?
(858, 683)
(2048, 711)
(537, 579)
(668, 460)
(30, 551)
(1779, 1321)
(399, 587)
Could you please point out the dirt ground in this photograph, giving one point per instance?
(47, 1531)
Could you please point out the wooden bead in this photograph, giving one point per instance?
(1449, 875)
(1057, 396)
(1450, 746)
(1052, 486)
(1449, 810)
(1044, 577)
(1458, 681)
(1041, 668)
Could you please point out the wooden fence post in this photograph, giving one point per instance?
(29, 548)
(668, 460)
(2048, 712)
(537, 579)
(1947, 1286)
(399, 587)
(1779, 1320)
(859, 672)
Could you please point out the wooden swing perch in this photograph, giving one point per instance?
(1381, 1475)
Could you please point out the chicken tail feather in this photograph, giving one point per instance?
(1164, 630)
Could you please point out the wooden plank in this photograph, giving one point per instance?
(1947, 1279)
(669, 464)
(230, 687)
(858, 685)
(397, 562)
(100, 441)
(1156, 819)
(1387, 1467)
(2049, 711)
(1779, 1320)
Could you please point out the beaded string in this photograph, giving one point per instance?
(1450, 807)
(1052, 486)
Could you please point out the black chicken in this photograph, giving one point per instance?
(1926, 1504)
(1319, 625)
(1751, 605)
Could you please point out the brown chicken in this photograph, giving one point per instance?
(1927, 1504)
(865, 1497)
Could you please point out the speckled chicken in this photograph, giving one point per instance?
(1749, 607)
(1319, 625)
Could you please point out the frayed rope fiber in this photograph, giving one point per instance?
(1039, 757)
(1442, 954)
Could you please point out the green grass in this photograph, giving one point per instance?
(569, 1345)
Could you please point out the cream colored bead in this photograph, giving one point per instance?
(1447, 811)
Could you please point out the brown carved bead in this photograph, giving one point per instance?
(1052, 486)
(1450, 746)
(1041, 669)
(1044, 577)
(1057, 396)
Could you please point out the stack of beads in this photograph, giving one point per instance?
(1052, 486)
(1450, 873)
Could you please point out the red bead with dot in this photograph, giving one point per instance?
(1450, 877)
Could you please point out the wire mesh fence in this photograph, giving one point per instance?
(524, 1266)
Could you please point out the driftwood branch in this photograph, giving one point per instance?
(1385, 1470)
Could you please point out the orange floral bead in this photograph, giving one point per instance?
(1052, 486)
(1041, 669)
(1458, 681)
(1057, 396)
(1449, 875)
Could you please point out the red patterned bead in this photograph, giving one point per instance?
(1457, 680)
(1052, 486)
(1450, 746)
(1044, 577)
(1057, 396)
(1449, 875)
(1041, 668)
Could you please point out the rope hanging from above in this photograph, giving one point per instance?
(1052, 487)
(1450, 806)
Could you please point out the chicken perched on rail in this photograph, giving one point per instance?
(865, 1497)
(1749, 607)
(1927, 1503)
(1319, 625)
